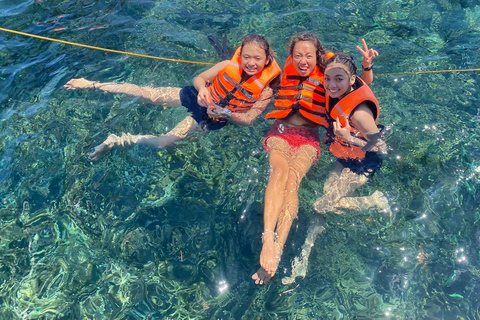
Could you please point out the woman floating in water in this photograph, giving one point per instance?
(293, 141)
(353, 138)
(236, 90)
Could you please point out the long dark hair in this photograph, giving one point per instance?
(263, 43)
(319, 50)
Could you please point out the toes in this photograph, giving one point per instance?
(257, 279)
(272, 270)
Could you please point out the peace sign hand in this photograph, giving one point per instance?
(368, 54)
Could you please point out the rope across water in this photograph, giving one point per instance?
(204, 63)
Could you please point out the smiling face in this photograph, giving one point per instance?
(338, 82)
(253, 58)
(304, 57)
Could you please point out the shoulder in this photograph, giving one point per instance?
(212, 72)
(362, 111)
(221, 65)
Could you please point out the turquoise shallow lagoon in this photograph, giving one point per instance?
(143, 234)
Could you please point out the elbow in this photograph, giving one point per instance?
(249, 122)
(244, 123)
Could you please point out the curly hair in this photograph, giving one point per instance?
(319, 49)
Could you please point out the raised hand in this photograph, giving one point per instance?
(368, 54)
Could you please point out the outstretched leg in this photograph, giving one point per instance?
(376, 200)
(300, 263)
(299, 164)
(337, 187)
(166, 96)
(287, 201)
(274, 198)
(178, 133)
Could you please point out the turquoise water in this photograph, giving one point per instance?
(176, 234)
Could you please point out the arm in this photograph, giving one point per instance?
(201, 80)
(365, 123)
(258, 107)
(368, 56)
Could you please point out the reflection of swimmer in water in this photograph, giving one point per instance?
(236, 90)
(293, 143)
(353, 111)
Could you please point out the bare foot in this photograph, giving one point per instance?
(381, 202)
(81, 83)
(99, 151)
(268, 257)
(322, 205)
(261, 276)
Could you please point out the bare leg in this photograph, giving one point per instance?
(300, 264)
(336, 187)
(262, 276)
(299, 166)
(178, 133)
(166, 96)
(273, 204)
(376, 200)
(339, 186)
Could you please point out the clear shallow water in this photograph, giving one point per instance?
(142, 234)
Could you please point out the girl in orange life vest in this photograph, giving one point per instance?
(293, 141)
(239, 93)
(354, 111)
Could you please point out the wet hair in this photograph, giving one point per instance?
(319, 50)
(263, 43)
(346, 59)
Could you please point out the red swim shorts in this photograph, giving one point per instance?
(295, 136)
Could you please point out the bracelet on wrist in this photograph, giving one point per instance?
(368, 68)
(351, 139)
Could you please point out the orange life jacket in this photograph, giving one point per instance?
(229, 91)
(343, 109)
(305, 94)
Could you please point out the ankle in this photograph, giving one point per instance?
(269, 236)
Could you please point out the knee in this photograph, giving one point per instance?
(279, 174)
(293, 182)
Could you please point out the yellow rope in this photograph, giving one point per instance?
(205, 63)
(102, 49)
(425, 72)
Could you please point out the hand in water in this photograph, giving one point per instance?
(217, 112)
